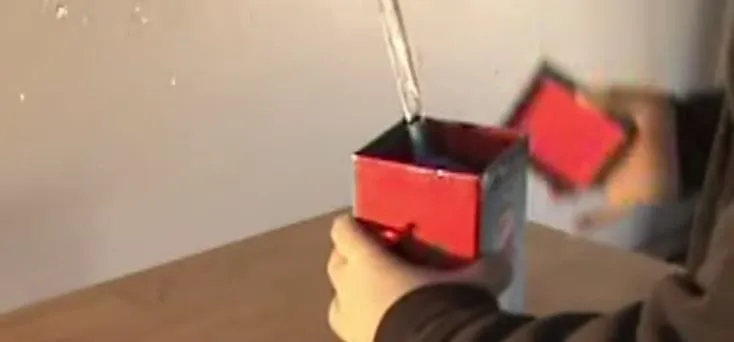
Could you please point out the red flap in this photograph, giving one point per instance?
(570, 141)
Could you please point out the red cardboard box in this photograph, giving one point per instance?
(446, 218)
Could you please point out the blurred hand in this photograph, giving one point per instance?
(648, 173)
(368, 279)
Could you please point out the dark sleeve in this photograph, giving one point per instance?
(680, 307)
(697, 117)
(464, 313)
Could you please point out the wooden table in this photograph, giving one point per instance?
(273, 288)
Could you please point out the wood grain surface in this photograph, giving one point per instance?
(273, 288)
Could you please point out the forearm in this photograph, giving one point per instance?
(446, 313)
(459, 313)
(462, 313)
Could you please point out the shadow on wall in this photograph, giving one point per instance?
(41, 245)
(710, 36)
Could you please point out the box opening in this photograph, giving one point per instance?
(472, 146)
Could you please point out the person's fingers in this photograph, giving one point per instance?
(333, 318)
(334, 265)
(625, 101)
(596, 97)
(615, 101)
(351, 240)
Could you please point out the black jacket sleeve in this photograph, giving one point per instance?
(697, 117)
(464, 313)
(679, 309)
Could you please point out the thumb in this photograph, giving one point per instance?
(624, 101)
(597, 97)
(352, 240)
(614, 101)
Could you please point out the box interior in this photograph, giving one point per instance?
(473, 146)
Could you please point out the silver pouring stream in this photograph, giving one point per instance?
(402, 63)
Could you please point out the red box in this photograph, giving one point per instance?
(447, 218)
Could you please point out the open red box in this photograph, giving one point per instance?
(447, 218)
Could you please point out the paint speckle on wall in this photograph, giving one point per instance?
(62, 11)
(139, 16)
(21, 97)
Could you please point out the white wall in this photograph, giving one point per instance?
(107, 168)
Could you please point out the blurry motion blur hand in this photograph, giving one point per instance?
(648, 173)
(368, 279)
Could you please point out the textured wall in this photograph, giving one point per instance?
(133, 133)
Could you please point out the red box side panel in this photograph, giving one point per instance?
(443, 207)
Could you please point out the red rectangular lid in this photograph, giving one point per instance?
(571, 141)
